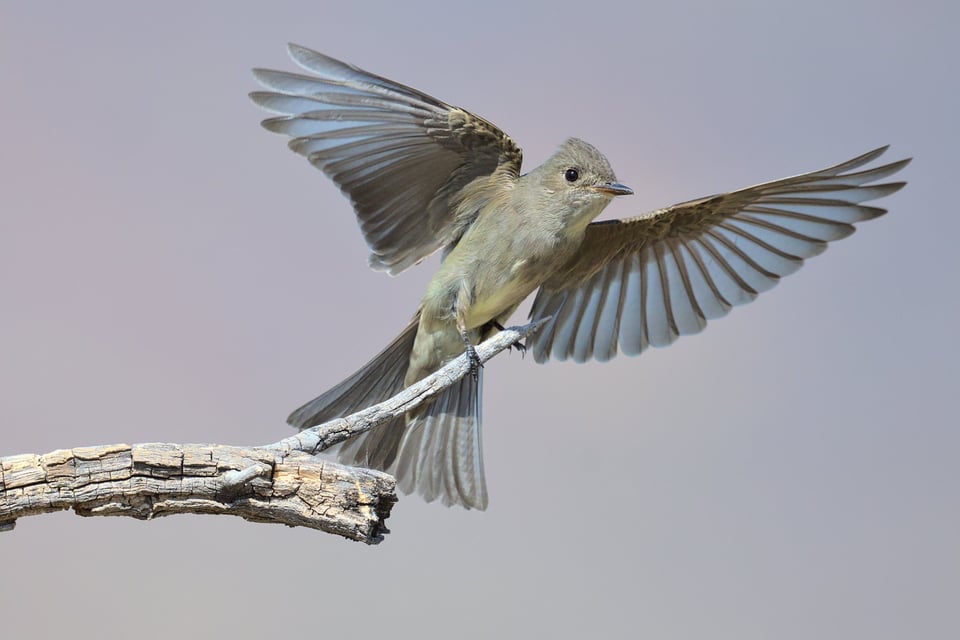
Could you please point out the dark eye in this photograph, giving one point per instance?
(571, 175)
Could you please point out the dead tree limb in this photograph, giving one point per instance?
(283, 482)
(158, 479)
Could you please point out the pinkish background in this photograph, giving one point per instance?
(170, 271)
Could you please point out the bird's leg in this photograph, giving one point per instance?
(519, 346)
(472, 356)
(460, 312)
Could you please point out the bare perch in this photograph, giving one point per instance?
(157, 479)
(330, 433)
(281, 482)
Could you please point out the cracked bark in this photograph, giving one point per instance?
(145, 481)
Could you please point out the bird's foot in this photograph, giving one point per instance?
(474, 360)
(519, 346)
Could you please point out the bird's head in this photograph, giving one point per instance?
(578, 182)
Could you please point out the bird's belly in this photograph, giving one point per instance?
(498, 296)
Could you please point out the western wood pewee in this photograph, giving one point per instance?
(425, 176)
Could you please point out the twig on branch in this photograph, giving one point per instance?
(281, 482)
(324, 436)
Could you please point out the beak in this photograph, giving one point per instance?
(614, 189)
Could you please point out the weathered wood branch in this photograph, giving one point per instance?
(158, 479)
(282, 482)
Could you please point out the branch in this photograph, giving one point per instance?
(148, 480)
(324, 436)
(281, 482)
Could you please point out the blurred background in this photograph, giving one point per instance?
(169, 271)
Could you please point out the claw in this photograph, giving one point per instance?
(519, 346)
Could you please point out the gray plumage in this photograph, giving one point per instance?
(425, 176)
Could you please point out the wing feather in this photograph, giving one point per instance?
(648, 280)
(403, 157)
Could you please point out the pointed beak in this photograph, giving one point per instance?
(614, 189)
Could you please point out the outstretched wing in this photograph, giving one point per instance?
(405, 160)
(647, 280)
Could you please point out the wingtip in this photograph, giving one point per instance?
(261, 76)
(895, 186)
(301, 55)
(308, 58)
(870, 156)
(258, 97)
(897, 165)
(879, 151)
(294, 49)
(262, 99)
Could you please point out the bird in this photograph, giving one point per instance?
(424, 176)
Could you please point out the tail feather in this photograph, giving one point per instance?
(441, 454)
(434, 451)
(379, 379)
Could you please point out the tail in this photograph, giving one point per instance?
(441, 455)
(434, 451)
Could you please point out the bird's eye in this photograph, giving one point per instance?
(571, 175)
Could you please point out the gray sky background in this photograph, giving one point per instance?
(170, 271)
